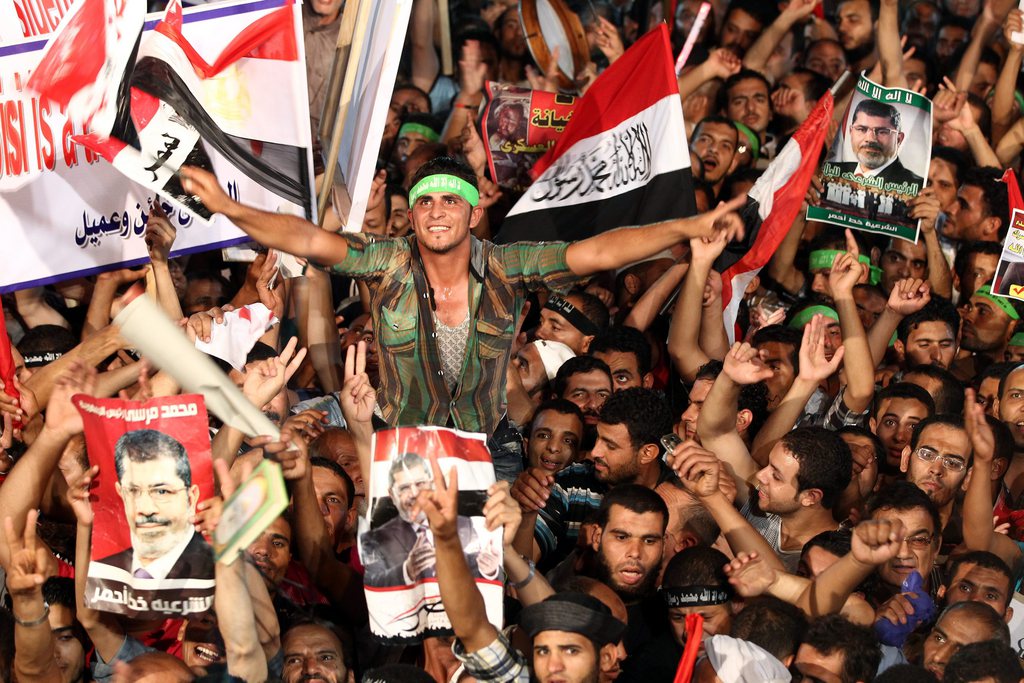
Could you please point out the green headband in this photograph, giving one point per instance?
(1007, 308)
(426, 131)
(804, 316)
(755, 142)
(1017, 339)
(824, 258)
(442, 182)
(874, 275)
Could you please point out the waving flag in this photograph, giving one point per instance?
(772, 205)
(621, 160)
(246, 105)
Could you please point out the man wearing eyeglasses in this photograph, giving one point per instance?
(875, 137)
(154, 480)
(937, 460)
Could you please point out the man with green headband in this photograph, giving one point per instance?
(416, 130)
(446, 305)
(989, 322)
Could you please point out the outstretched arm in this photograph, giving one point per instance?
(289, 234)
(761, 51)
(621, 247)
(890, 54)
(979, 533)
(684, 332)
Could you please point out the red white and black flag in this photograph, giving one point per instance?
(622, 160)
(772, 205)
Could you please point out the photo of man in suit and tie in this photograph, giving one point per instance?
(154, 480)
(876, 137)
(400, 552)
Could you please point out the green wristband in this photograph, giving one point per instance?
(824, 258)
(426, 131)
(1004, 305)
(804, 316)
(442, 182)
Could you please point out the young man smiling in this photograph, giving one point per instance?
(445, 305)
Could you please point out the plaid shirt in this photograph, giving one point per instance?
(413, 390)
(499, 662)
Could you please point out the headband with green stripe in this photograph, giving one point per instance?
(824, 258)
(426, 131)
(1017, 339)
(1004, 305)
(804, 316)
(442, 182)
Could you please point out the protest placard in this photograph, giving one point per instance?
(518, 126)
(1009, 277)
(69, 213)
(878, 162)
(147, 560)
(376, 70)
(396, 549)
(257, 502)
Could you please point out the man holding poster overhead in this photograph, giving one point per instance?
(443, 288)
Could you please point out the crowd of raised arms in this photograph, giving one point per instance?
(843, 503)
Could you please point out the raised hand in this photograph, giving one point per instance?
(472, 69)
(61, 414)
(723, 219)
(204, 185)
(609, 42)
(502, 510)
(814, 366)
(200, 325)
(29, 564)
(78, 495)
(983, 442)
(925, 207)
(698, 468)
(722, 63)
(268, 286)
(531, 489)
(160, 235)
(909, 296)
(1014, 24)
(705, 250)
(846, 270)
(265, 379)
(750, 575)
(743, 365)
(473, 148)
(876, 541)
(358, 398)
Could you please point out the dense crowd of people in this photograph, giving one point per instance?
(838, 494)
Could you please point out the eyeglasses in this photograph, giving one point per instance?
(950, 462)
(920, 542)
(879, 132)
(157, 494)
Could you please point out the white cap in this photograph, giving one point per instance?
(553, 354)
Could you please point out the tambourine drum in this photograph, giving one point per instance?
(548, 24)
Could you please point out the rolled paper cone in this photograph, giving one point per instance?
(146, 326)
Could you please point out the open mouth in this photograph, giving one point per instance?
(438, 229)
(548, 464)
(208, 652)
(632, 575)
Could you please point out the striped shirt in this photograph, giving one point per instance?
(413, 389)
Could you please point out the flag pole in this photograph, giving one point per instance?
(341, 53)
(837, 86)
(444, 18)
(344, 99)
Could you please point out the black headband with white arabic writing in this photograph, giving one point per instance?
(35, 360)
(695, 596)
(574, 315)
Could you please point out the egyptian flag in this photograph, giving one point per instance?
(246, 104)
(622, 160)
(85, 59)
(772, 205)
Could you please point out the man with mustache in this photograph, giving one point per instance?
(154, 480)
(875, 137)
